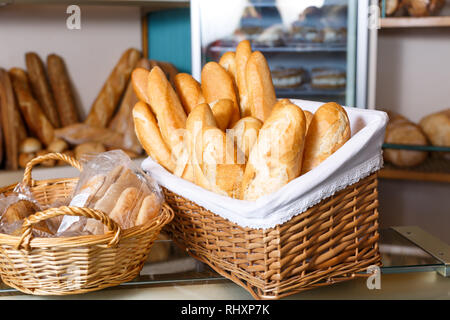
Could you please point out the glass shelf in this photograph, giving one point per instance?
(398, 255)
(306, 47)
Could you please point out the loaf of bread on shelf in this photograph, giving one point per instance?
(109, 96)
(189, 91)
(400, 130)
(276, 158)
(436, 127)
(423, 8)
(217, 84)
(62, 90)
(41, 87)
(88, 149)
(37, 122)
(261, 92)
(328, 131)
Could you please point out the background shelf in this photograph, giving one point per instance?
(283, 49)
(433, 169)
(408, 22)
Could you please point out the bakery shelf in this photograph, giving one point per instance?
(416, 148)
(307, 90)
(283, 49)
(408, 22)
(433, 169)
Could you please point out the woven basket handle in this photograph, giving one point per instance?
(26, 237)
(49, 156)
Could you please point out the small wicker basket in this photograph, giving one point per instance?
(73, 265)
(336, 240)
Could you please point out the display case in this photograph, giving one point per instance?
(314, 48)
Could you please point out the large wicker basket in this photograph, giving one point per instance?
(336, 240)
(72, 265)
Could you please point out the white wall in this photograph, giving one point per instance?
(90, 53)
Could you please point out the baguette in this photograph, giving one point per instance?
(217, 84)
(150, 137)
(328, 131)
(276, 158)
(8, 116)
(243, 53)
(41, 88)
(189, 91)
(228, 62)
(108, 98)
(217, 158)
(169, 70)
(223, 111)
(308, 116)
(168, 110)
(62, 90)
(139, 79)
(261, 93)
(246, 132)
(34, 117)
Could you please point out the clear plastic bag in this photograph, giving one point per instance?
(110, 182)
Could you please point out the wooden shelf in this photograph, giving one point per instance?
(433, 169)
(408, 22)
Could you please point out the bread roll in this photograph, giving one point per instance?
(20, 210)
(149, 209)
(404, 133)
(276, 158)
(189, 91)
(26, 157)
(8, 118)
(150, 137)
(217, 158)
(41, 87)
(34, 117)
(328, 131)
(217, 84)
(58, 146)
(223, 111)
(139, 79)
(30, 145)
(246, 132)
(242, 55)
(261, 93)
(62, 90)
(109, 96)
(168, 110)
(88, 149)
(47, 163)
(436, 127)
(228, 62)
(124, 207)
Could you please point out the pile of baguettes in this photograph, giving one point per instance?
(229, 134)
(39, 113)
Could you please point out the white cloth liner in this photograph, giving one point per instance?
(357, 159)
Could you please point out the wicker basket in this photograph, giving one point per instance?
(73, 265)
(336, 240)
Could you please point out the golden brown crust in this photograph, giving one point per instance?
(276, 158)
(228, 62)
(34, 117)
(149, 209)
(150, 137)
(223, 111)
(168, 110)
(29, 145)
(436, 126)
(328, 131)
(189, 91)
(242, 55)
(308, 116)
(246, 132)
(62, 90)
(261, 93)
(109, 96)
(41, 87)
(218, 84)
(139, 79)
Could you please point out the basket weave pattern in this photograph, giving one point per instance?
(336, 240)
(73, 265)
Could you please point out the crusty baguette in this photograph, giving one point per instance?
(34, 117)
(189, 91)
(109, 96)
(168, 110)
(261, 92)
(150, 137)
(328, 131)
(41, 87)
(8, 117)
(308, 115)
(62, 90)
(243, 53)
(218, 84)
(222, 110)
(228, 62)
(218, 160)
(246, 133)
(168, 68)
(276, 158)
(139, 79)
